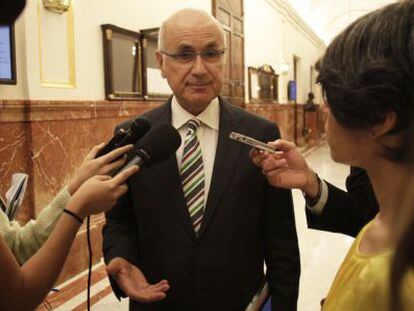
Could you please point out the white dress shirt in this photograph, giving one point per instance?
(207, 134)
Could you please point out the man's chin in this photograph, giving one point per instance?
(200, 99)
(196, 104)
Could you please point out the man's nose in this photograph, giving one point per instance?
(199, 67)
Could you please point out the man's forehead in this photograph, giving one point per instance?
(189, 17)
(206, 44)
(188, 36)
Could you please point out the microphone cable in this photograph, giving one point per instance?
(88, 237)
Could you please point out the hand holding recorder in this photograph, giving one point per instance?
(286, 167)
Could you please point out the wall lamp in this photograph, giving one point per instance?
(57, 6)
(284, 67)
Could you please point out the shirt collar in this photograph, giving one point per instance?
(209, 117)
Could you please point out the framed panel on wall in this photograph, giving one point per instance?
(7, 55)
(155, 87)
(263, 85)
(122, 63)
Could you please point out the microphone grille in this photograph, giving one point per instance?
(140, 126)
(161, 141)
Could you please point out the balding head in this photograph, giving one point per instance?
(190, 56)
(186, 18)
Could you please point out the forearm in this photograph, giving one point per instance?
(29, 285)
(42, 270)
(344, 212)
(24, 241)
(347, 212)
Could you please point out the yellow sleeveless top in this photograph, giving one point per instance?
(362, 282)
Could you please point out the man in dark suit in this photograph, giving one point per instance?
(328, 208)
(203, 222)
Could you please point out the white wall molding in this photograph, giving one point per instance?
(284, 8)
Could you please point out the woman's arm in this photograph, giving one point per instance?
(25, 240)
(24, 288)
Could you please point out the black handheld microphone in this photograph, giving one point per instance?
(156, 146)
(138, 128)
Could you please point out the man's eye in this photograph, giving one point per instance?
(185, 56)
(212, 54)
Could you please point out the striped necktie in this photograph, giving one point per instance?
(192, 175)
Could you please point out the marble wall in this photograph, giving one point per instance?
(291, 116)
(15, 146)
(49, 139)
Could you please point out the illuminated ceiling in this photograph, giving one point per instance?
(329, 17)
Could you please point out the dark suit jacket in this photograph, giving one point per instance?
(347, 211)
(245, 222)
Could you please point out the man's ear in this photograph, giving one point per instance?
(383, 128)
(160, 61)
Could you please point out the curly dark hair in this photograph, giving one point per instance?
(368, 71)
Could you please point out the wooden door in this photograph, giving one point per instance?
(231, 15)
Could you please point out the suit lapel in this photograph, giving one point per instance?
(169, 176)
(227, 154)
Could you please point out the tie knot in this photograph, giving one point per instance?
(193, 124)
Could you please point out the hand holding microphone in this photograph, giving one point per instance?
(157, 145)
(138, 128)
(97, 166)
(103, 159)
(91, 194)
(100, 193)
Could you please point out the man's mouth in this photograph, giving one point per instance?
(199, 84)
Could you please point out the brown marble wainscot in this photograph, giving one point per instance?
(15, 146)
(282, 114)
(48, 140)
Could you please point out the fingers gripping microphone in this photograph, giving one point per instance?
(138, 128)
(156, 146)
